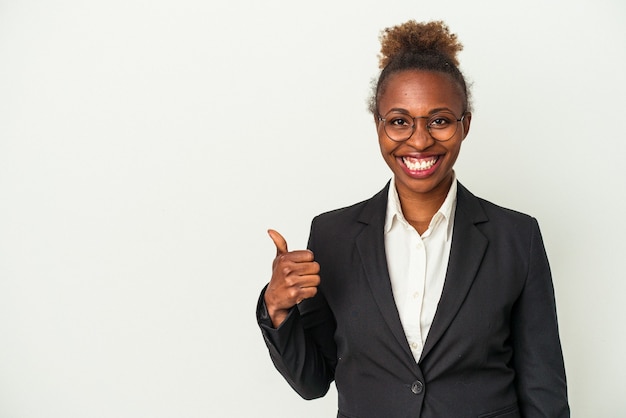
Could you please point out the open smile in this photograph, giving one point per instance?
(419, 167)
(420, 164)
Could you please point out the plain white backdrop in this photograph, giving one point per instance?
(146, 146)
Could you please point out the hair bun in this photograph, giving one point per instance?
(413, 37)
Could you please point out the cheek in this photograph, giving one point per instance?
(454, 151)
(381, 138)
(386, 146)
(381, 142)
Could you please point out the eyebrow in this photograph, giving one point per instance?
(431, 112)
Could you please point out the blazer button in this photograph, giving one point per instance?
(417, 387)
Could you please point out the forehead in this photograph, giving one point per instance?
(420, 92)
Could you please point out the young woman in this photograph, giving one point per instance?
(423, 301)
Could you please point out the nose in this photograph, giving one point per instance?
(421, 137)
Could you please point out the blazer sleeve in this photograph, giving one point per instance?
(537, 358)
(302, 348)
(299, 352)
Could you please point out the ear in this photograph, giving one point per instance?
(467, 121)
(377, 122)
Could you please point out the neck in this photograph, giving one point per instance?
(419, 209)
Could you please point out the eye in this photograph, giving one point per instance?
(399, 121)
(441, 121)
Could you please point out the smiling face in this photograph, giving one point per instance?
(422, 165)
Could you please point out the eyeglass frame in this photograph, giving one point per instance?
(414, 126)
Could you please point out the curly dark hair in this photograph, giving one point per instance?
(425, 46)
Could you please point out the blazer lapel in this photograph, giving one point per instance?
(466, 253)
(370, 243)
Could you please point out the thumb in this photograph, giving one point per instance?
(279, 242)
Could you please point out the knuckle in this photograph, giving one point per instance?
(293, 293)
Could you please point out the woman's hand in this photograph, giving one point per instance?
(295, 277)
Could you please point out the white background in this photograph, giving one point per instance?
(146, 146)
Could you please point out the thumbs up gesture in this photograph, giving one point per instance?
(295, 277)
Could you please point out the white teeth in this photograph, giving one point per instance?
(416, 164)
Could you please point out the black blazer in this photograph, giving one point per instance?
(493, 349)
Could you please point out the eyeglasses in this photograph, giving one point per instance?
(400, 126)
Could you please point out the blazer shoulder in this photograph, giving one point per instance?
(497, 211)
(361, 211)
(485, 210)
